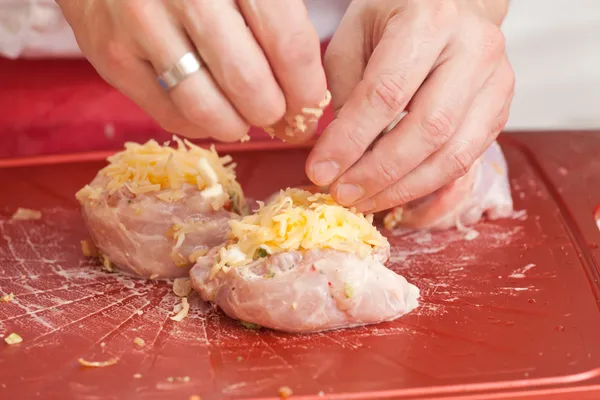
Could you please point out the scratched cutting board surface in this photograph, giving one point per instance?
(512, 313)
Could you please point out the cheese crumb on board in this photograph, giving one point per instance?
(97, 364)
(182, 287)
(7, 298)
(13, 338)
(137, 376)
(26, 214)
(164, 170)
(285, 392)
(298, 121)
(298, 220)
(89, 249)
(393, 218)
(139, 342)
(106, 263)
(181, 310)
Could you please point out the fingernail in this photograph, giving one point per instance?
(348, 193)
(366, 206)
(325, 172)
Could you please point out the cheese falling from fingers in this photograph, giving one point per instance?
(298, 220)
(164, 170)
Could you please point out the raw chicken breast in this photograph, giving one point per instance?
(303, 263)
(309, 291)
(483, 191)
(137, 235)
(155, 208)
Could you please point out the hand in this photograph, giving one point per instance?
(263, 60)
(441, 61)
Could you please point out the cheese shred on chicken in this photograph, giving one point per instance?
(164, 170)
(298, 220)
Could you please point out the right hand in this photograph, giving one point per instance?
(262, 61)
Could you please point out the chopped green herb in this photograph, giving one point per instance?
(260, 253)
(349, 290)
(250, 325)
(270, 275)
(235, 205)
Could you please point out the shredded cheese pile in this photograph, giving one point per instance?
(164, 170)
(298, 220)
(298, 121)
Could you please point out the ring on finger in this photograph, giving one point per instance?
(188, 64)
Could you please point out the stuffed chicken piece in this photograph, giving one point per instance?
(303, 263)
(483, 191)
(155, 208)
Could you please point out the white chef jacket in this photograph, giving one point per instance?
(554, 47)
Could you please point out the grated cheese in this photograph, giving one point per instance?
(26, 214)
(106, 263)
(285, 392)
(298, 121)
(164, 170)
(97, 364)
(393, 218)
(182, 287)
(181, 310)
(13, 338)
(298, 220)
(7, 298)
(89, 249)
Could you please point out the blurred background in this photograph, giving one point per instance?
(52, 101)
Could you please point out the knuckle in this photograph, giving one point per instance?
(135, 11)
(493, 42)
(443, 12)
(202, 114)
(437, 128)
(400, 194)
(351, 141)
(387, 172)
(116, 54)
(297, 48)
(357, 143)
(388, 94)
(246, 80)
(460, 162)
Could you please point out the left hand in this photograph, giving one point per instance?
(441, 61)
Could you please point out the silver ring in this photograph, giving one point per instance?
(187, 65)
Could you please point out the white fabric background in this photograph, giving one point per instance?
(554, 46)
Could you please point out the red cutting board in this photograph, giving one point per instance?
(512, 314)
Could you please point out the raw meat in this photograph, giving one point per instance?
(483, 191)
(308, 291)
(136, 234)
(155, 208)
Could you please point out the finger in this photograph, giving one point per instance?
(137, 80)
(434, 114)
(235, 59)
(399, 64)
(293, 49)
(484, 122)
(345, 60)
(198, 97)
